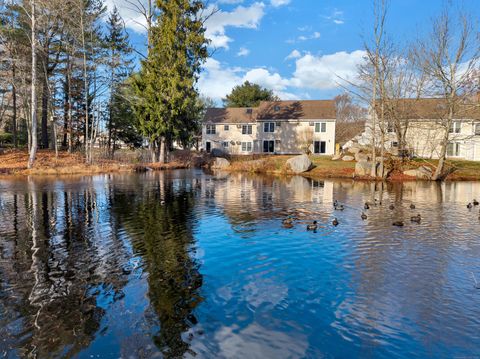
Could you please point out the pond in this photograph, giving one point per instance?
(191, 264)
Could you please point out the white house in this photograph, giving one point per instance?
(425, 131)
(276, 127)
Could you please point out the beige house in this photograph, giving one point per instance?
(277, 127)
(425, 130)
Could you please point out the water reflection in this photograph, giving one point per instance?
(188, 264)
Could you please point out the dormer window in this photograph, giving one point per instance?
(276, 108)
(249, 111)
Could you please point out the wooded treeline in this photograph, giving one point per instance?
(69, 81)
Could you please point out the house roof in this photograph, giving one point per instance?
(274, 110)
(229, 115)
(427, 109)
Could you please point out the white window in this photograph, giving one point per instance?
(320, 127)
(477, 129)
(246, 147)
(269, 127)
(225, 144)
(455, 127)
(453, 149)
(246, 129)
(226, 127)
(211, 129)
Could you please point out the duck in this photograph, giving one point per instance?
(288, 225)
(392, 207)
(366, 206)
(469, 206)
(335, 203)
(364, 216)
(312, 226)
(417, 218)
(335, 222)
(287, 221)
(398, 223)
(475, 202)
(339, 207)
(412, 206)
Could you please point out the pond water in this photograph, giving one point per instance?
(189, 264)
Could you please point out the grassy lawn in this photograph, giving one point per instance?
(325, 167)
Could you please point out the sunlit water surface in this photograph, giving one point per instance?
(188, 264)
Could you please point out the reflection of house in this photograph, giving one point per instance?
(281, 127)
(425, 131)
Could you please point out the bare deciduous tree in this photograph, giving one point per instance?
(448, 57)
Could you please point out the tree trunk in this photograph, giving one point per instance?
(45, 112)
(70, 121)
(162, 153)
(441, 161)
(151, 148)
(85, 84)
(66, 105)
(14, 110)
(33, 148)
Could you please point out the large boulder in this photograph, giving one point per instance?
(363, 168)
(354, 149)
(421, 172)
(348, 158)
(360, 156)
(299, 164)
(220, 163)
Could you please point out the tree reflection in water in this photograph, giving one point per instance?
(66, 251)
(161, 232)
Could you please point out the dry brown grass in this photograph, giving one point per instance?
(14, 162)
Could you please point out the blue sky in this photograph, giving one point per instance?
(298, 48)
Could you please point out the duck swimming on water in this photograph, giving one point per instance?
(392, 207)
(366, 206)
(469, 206)
(335, 222)
(312, 226)
(475, 202)
(412, 206)
(398, 223)
(416, 218)
(364, 216)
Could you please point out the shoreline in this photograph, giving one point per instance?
(13, 164)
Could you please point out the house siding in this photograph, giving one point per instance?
(290, 136)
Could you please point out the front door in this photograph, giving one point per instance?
(319, 147)
(208, 147)
(268, 146)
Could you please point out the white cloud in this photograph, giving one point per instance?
(295, 54)
(326, 71)
(240, 17)
(243, 52)
(217, 81)
(133, 19)
(277, 3)
(313, 36)
(336, 17)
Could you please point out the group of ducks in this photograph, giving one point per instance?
(288, 222)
